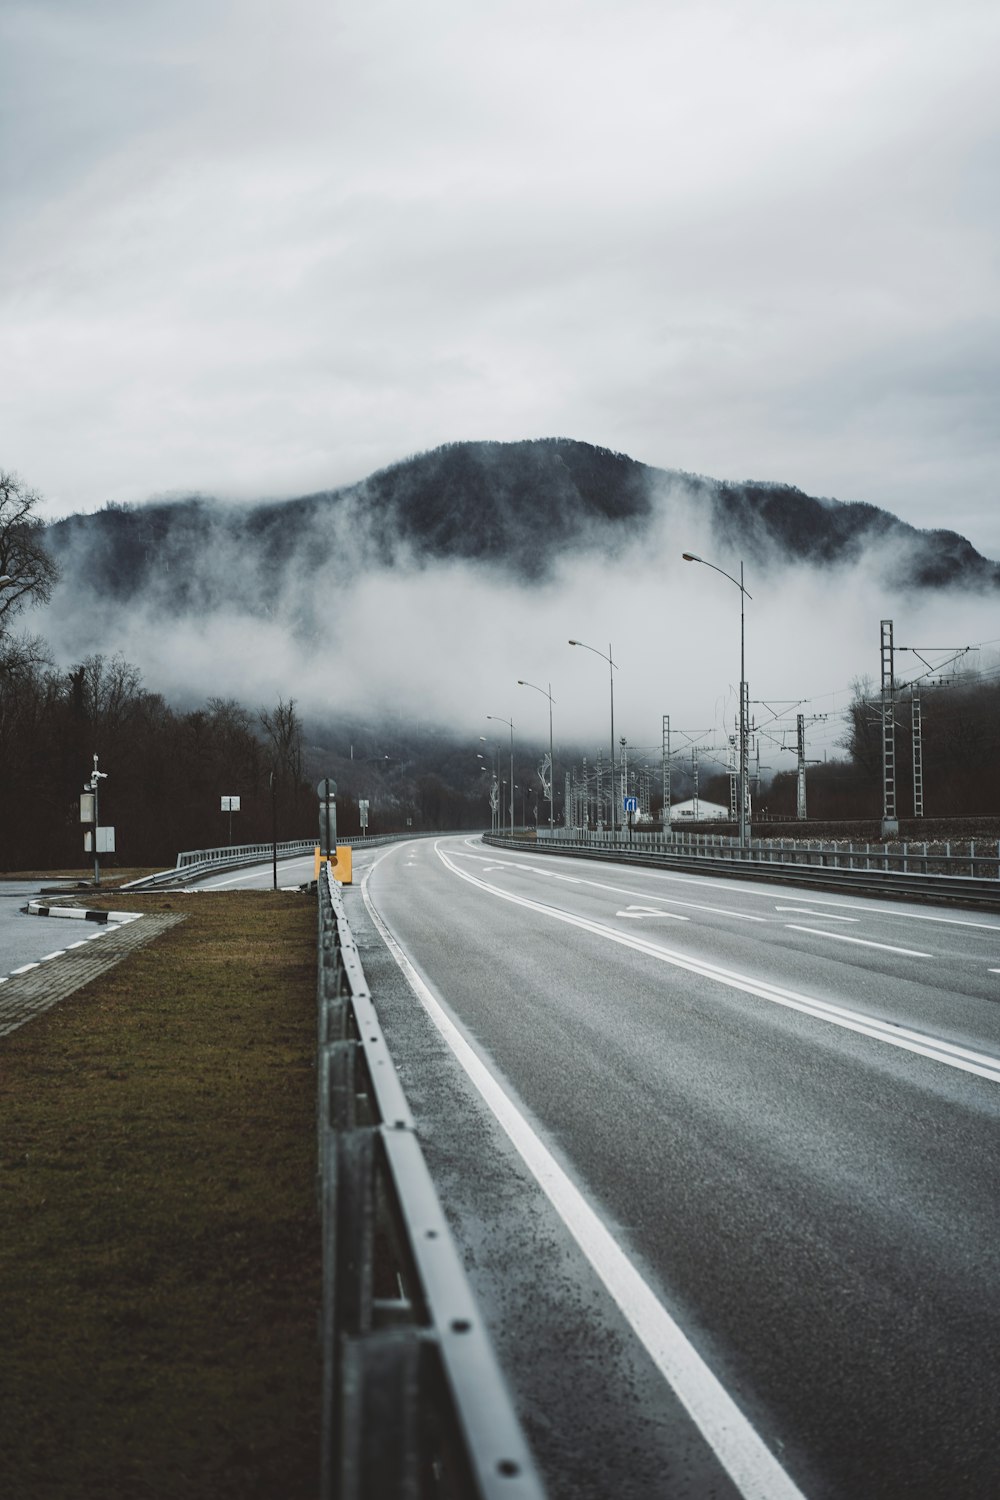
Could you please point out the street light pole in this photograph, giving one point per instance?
(510, 725)
(552, 763)
(611, 672)
(495, 789)
(744, 777)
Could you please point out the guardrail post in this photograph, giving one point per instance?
(348, 1231)
(380, 1415)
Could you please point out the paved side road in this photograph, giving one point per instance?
(26, 995)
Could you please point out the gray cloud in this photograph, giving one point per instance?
(353, 635)
(254, 250)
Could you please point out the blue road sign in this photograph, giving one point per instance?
(630, 804)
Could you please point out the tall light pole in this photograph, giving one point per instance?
(495, 788)
(552, 763)
(744, 777)
(611, 669)
(510, 726)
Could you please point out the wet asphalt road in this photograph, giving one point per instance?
(815, 1205)
(26, 940)
(783, 1107)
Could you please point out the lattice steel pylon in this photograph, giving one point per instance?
(890, 822)
(918, 753)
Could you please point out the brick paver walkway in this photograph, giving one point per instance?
(25, 996)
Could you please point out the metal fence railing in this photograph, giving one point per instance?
(194, 862)
(911, 871)
(413, 1402)
(942, 857)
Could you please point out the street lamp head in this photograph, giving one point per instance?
(574, 643)
(690, 557)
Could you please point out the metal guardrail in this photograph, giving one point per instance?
(241, 854)
(908, 858)
(194, 862)
(413, 1402)
(869, 871)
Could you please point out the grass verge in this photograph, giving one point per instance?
(159, 1259)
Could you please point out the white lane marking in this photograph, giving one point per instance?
(842, 937)
(738, 1447)
(963, 1058)
(57, 954)
(620, 890)
(636, 914)
(24, 969)
(803, 911)
(761, 890)
(993, 971)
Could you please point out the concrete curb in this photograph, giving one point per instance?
(40, 909)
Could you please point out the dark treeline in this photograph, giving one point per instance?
(166, 771)
(960, 737)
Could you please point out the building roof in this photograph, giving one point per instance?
(706, 809)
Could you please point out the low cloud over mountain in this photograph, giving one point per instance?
(442, 579)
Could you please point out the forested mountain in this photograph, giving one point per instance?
(396, 615)
(518, 507)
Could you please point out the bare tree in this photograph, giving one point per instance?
(283, 728)
(24, 562)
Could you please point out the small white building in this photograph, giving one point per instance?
(697, 812)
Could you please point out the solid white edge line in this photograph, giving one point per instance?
(968, 1061)
(620, 890)
(751, 889)
(737, 1445)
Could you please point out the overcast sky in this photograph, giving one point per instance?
(257, 249)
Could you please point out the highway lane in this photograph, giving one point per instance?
(291, 874)
(31, 940)
(783, 1108)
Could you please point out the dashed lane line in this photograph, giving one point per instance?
(982, 1064)
(736, 1444)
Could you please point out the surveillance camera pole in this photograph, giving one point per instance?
(94, 786)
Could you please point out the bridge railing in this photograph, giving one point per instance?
(942, 857)
(413, 1402)
(194, 862)
(910, 872)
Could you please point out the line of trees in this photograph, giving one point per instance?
(167, 770)
(960, 749)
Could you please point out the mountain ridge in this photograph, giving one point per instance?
(518, 507)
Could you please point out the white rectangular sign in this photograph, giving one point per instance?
(105, 841)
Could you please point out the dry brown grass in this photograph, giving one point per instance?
(159, 1260)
